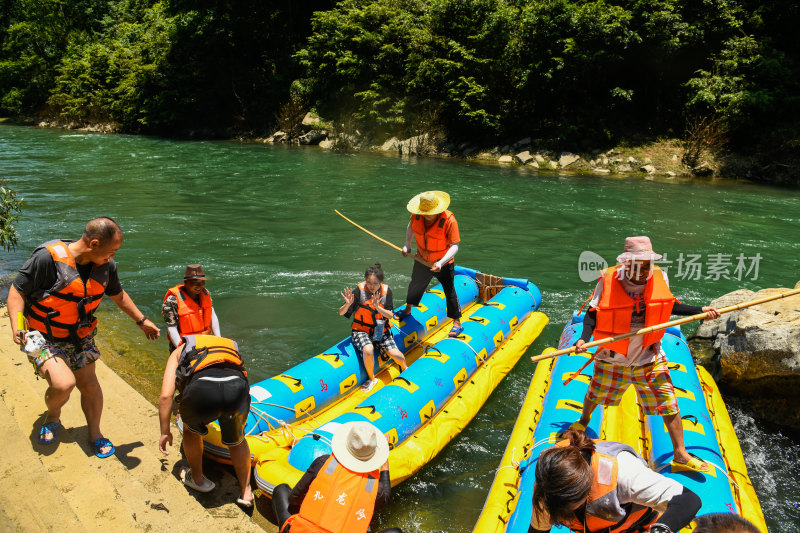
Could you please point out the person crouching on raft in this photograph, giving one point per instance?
(589, 485)
(368, 304)
(628, 297)
(436, 231)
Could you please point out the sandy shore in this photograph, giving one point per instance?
(65, 487)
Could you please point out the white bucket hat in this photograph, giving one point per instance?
(360, 447)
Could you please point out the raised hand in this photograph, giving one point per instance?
(376, 298)
(347, 294)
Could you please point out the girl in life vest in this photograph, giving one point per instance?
(370, 304)
(588, 486)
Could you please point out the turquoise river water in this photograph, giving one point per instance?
(260, 219)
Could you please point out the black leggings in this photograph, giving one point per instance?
(420, 278)
(280, 505)
(217, 394)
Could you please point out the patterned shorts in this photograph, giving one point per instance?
(362, 338)
(76, 358)
(652, 383)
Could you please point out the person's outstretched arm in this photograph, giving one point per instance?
(125, 303)
(165, 401)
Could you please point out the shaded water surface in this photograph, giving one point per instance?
(260, 219)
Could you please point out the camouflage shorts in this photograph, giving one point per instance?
(76, 358)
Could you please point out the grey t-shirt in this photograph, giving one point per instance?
(39, 274)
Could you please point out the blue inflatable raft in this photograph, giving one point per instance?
(550, 407)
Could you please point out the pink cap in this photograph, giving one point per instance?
(637, 248)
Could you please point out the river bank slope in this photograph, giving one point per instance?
(65, 487)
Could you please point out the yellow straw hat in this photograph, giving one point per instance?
(429, 203)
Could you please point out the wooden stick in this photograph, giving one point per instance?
(665, 325)
(384, 241)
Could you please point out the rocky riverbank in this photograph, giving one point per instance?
(666, 158)
(663, 158)
(754, 353)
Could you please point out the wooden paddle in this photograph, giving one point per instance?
(665, 325)
(384, 241)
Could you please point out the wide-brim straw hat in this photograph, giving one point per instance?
(360, 447)
(637, 249)
(429, 203)
(195, 272)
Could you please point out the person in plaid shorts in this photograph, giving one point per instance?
(370, 305)
(628, 297)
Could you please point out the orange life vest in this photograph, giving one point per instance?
(193, 319)
(604, 512)
(338, 501)
(366, 314)
(65, 312)
(432, 240)
(615, 308)
(202, 351)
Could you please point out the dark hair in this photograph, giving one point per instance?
(104, 229)
(723, 523)
(564, 477)
(374, 271)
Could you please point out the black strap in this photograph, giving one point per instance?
(74, 297)
(373, 312)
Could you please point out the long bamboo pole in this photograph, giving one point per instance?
(665, 325)
(384, 241)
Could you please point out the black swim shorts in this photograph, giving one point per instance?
(217, 394)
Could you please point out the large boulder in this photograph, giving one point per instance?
(567, 158)
(392, 145)
(313, 137)
(756, 353)
(524, 157)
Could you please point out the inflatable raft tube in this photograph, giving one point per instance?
(423, 408)
(550, 407)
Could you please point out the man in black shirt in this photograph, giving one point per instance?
(58, 288)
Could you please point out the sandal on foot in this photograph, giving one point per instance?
(206, 486)
(369, 385)
(695, 464)
(99, 444)
(456, 331)
(247, 504)
(49, 427)
(400, 315)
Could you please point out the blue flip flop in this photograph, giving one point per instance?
(49, 427)
(101, 443)
(456, 331)
(400, 315)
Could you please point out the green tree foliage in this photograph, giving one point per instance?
(575, 71)
(34, 34)
(170, 66)
(355, 59)
(229, 64)
(752, 84)
(10, 207)
(115, 78)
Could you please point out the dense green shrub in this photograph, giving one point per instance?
(572, 71)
